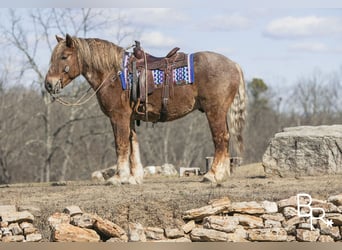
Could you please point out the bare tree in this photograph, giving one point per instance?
(45, 23)
(316, 99)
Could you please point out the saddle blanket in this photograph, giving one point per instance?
(182, 75)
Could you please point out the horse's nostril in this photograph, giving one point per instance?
(48, 86)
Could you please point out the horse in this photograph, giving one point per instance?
(218, 90)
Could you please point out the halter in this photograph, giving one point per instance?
(80, 101)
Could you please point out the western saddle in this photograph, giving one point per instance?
(141, 65)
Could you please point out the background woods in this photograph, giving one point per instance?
(45, 141)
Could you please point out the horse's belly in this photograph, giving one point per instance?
(181, 101)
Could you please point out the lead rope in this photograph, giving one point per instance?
(146, 88)
(79, 102)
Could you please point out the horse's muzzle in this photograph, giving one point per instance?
(53, 86)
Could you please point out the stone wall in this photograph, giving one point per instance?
(220, 220)
(16, 224)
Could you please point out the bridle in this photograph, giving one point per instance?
(80, 101)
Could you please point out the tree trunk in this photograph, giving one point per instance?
(69, 143)
(166, 144)
(5, 177)
(48, 138)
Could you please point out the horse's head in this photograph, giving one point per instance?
(64, 65)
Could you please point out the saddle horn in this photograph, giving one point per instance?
(137, 51)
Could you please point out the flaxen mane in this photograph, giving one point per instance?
(100, 55)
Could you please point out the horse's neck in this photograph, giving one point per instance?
(96, 76)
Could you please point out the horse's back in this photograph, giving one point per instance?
(212, 60)
(214, 70)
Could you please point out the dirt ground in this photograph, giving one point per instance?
(160, 201)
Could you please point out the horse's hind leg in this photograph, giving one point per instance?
(137, 170)
(220, 169)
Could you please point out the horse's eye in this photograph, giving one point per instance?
(64, 57)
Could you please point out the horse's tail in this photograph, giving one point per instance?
(238, 113)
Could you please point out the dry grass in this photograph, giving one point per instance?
(161, 201)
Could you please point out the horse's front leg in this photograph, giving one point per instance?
(121, 130)
(137, 169)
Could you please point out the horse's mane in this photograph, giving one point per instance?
(99, 54)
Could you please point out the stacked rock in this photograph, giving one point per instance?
(16, 224)
(223, 220)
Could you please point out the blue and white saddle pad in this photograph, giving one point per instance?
(180, 75)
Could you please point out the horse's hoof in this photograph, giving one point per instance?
(139, 179)
(209, 177)
(132, 180)
(115, 181)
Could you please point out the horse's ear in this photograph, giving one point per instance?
(69, 41)
(59, 38)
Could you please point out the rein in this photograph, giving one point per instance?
(80, 101)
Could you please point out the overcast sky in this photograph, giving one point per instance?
(279, 45)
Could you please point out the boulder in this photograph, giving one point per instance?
(267, 234)
(305, 150)
(290, 212)
(290, 202)
(335, 217)
(35, 211)
(168, 169)
(189, 226)
(136, 232)
(272, 224)
(249, 220)
(97, 177)
(58, 218)
(251, 207)
(273, 217)
(290, 225)
(69, 233)
(325, 238)
(270, 207)
(72, 210)
(173, 233)
(154, 233)
(15, 229)
(109, 229)
(17, 216)
(35, 237)
(104, 174)
(334, 232)
(226, 224)
(13, 238)
(85, 220)
(215, 207)
(239, 235)
(30, 230)
(336, 199)
(152, 170)
(307, 235)
(208, 235)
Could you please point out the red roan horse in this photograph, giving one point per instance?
(219, 86)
